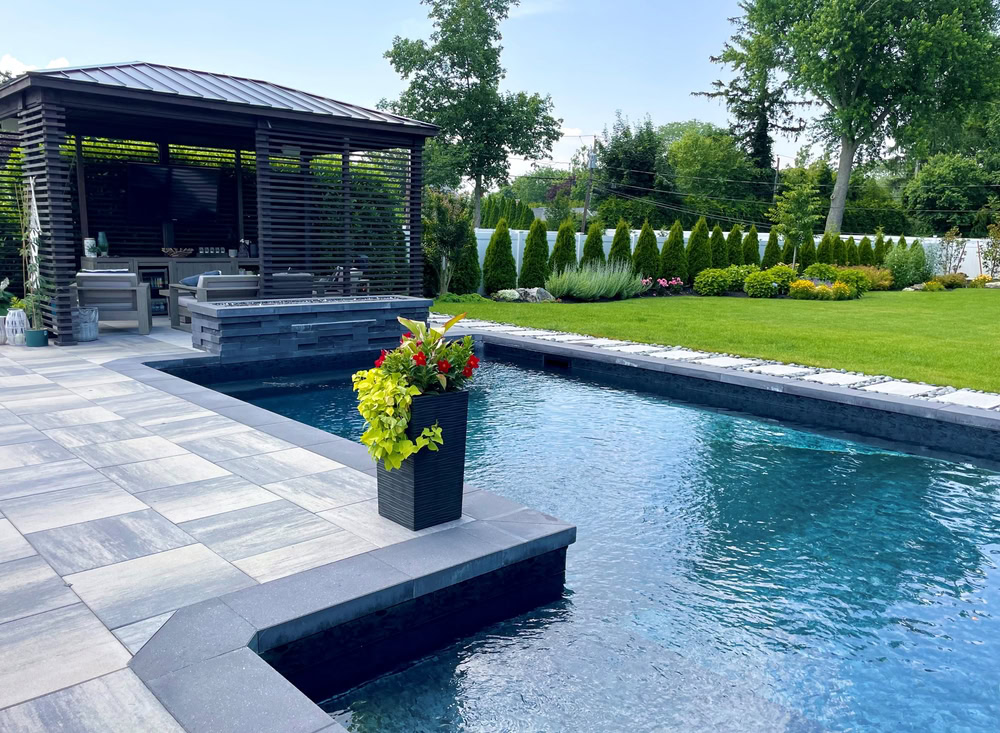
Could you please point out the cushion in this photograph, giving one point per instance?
(193, 280)
(124, 269)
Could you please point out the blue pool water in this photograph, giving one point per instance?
(730, 574)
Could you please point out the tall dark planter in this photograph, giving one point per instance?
(427, 489)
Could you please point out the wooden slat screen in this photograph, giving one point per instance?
(10, 232)
(331, 202)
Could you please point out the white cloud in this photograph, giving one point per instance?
(15, 66)
(536, 7)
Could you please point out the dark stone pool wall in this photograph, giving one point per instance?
(285, 329)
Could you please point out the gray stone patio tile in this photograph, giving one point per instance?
(72, 635)
(968, 398)
(115, 703)
(86, 545)
(23, 393)
(194, 633)
(19, 433)
(679, 354)
(76, 416)
(199, 499)
(68, 401)
(838, 379)
(132, 450)
(727, 361)
(295, 558)
(201, 697)
(280, 465)
(296, 432)
(31, 454)
(637, 348)
(134, 636)
(165, 412)
(59, 508)
(162, 472)
(28, 586)
(236, 445)
(47, 477)
(603, 342)
(244, 532)
(346, 452)
(137, 589)
(99, 392)
(328, 490)
(251, 415)
(198, 428)
(22, 380)
(83, 377)
(362, 518)
(901, 389)
(12, 545)
(102, 432)
(9, 418)
(782, 370)
(487, 505)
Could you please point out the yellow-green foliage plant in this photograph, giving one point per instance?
(423, 363)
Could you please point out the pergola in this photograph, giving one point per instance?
(317, 185)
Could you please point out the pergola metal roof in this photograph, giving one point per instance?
(159, 79)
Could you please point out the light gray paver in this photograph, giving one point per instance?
(236, 445)
(328, 490)
(31, 454)
(72, 635)
(782, 370)
(204, 498)
(198, 428)
(680, 354)
(838, 379)
(901, 389)
(30, 480)
(59, 508)
(968, 398)
(28, 586)
(133, 590)
(636, 348)
(13, 546)
(103, 432)
(19, 433)
(131, 450)
(162, 472)
(283, 561)
(280, 465)
(115, 703)
(134, 636)
(727, 361)
(74, 416)
(364, 520)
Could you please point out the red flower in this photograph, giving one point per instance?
(381, 358)
(443, 366)
(467, 372)
(407, 335)
(473, 362)
(420, 358)
(420, 343)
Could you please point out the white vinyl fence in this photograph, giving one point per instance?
(971, 265)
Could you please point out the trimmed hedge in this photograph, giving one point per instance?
(713, 281)
(824, 253)
(699, 254)
(593, 246)
(734, 245)
(564, 250)
(839, 251)
(468, 274)
(720, 254)
(621, 245)
(499, 267)
(866, 255)
(879, 250)
(646, 257)
(751, 247)
(807, 253)
(851, 249)
(673, 257)
(535, 261)
(788, 251)
(772, 252)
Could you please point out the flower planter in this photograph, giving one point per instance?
(427, 488)
(36, 337)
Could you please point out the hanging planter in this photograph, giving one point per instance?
(416, 411)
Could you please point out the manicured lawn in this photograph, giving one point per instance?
(950, 338)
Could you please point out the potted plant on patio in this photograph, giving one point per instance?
(416, 409)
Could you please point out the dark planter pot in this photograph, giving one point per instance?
(36, 337)
(427, 489)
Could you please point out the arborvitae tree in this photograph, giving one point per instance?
(879, 251)
(646, 257)
(486, 219)
(839, 250)
(788, 253)
(772, 252)
(918, 261)
(499, 267)
(751, 247)
(564, 251)
(824, 253)
(851, 250)
(527, 217)
(593, 246)
(621, 245)
(535, 260)
(673, 258)
(734, 245)
(720, 255)
(902, 242)
(866, 255)
(807, 252)
(699, 252)
(468, 274)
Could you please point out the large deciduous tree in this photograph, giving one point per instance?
(454, 81)
(876, 67)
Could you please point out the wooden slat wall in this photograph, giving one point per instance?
(43, 135)
(329, 201)
(10, 233)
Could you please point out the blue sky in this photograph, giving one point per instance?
(593, 57)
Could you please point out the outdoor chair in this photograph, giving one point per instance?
(210, 289)
(117, 296)
(335, 285)
(292, 285)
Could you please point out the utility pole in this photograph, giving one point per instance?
(590, 185)
(777, 167)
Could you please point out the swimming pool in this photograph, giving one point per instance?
(729, 574)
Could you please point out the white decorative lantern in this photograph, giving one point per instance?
(15, 324)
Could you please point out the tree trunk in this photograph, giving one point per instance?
(477, 199)
(838, 199)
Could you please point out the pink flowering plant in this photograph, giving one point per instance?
(663, 286)
(423, 363)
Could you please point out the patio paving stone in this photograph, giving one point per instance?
(134, 590)
(280, 465)
(13, 546)
(968, 398)
(782, 370)
(98, 392)
(75, 416)
(73, 635)
(162, 472)
(364, 520)
(134, 636)
(727, 361)
(301, 556)
(115, 703)
(85, 545)
(682, 354)
(198, 428)
(68, 401)
(31, 454)
(902, 389)
(38, 512)
(30, 480)
(328, 490)
(19, 433)
(198, 499)
(838, 379)
(102, 432)
(29, 586)
(236, 445)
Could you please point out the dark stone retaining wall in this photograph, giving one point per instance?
(283, 329)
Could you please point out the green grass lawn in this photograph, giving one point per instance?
(949, 338)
